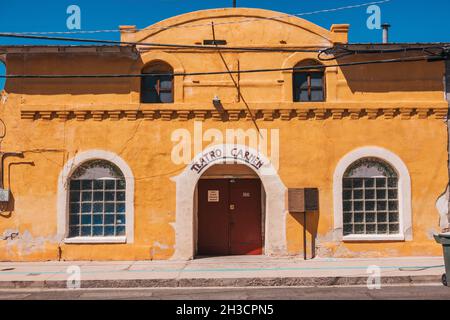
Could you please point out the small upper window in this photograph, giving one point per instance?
(308, 85)
(157, 87)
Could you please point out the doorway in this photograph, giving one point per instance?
(230, 217)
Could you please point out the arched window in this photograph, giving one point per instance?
(97, 200)
(157, 87)
(370, 198)
(308, 84)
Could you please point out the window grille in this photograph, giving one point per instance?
(370, 199)
(97, 201)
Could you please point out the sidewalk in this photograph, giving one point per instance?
(221, 271)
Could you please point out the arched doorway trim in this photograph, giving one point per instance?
(186, 182)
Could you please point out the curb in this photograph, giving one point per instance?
(221, 282)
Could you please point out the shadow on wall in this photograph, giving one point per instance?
(308, 244)
(72, 64)
(392, 77)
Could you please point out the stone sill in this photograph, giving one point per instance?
(359, 238)
(95, 240)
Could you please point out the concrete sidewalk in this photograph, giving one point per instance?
(222, 271)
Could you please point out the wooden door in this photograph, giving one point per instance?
(229, 217)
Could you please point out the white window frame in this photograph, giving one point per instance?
(63, 197)
(404, 194)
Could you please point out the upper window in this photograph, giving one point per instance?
(97, 200)
(370, 199)
(308, 85)
(157, 87)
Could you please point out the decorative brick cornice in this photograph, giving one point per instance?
(238, 115)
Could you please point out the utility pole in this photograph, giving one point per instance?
(234, 3)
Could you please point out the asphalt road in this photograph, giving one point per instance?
(267, 293)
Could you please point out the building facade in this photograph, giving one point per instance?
(175, 163)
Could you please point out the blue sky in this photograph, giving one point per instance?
(411, 20)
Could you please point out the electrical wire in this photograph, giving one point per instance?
(287, 15)
(139, 75)
(159, 45)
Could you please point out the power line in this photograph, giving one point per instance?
(159, 45)
(309, 67)
(209, 24)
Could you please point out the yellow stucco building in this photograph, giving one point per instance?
(179, 163)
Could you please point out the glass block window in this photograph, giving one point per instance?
(157, 87)
(370, 199)
(97, 200)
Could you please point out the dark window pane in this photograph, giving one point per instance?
(74, 231)
(348, 229)
(120, 219)
(393, 217)
(316, 95)
(381, 206)
(392, 182)
(85, 231)
(109, 196)
(86, 208)
(369, 183)
(98, 219)
(74, 219)
(358, 217)
(347, 206)
(369, 194)
(97, 231)
(98, 208)
(74, 208)
(109, 219)
(348, 217)
(382, 217)
(86, 219)
(382, 228)
(109, 208)
(86, 184)
(120, 184)
(153, 87)
(358, 206)
(370, 217)
(357, 194)
(86, 196)
(381, 194)
(357, 183)
(75, 185)
(75, 196)
(98, 184)
(120, 207)
(98, 196)
(393, 205)
(347, 183)
(370, 205)
(110, 184)
(120, 230)
(359, 229)
(394, 228)
(120, 196)
(109, 231)
(371, 228)
(381, 182)
(392, 194)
